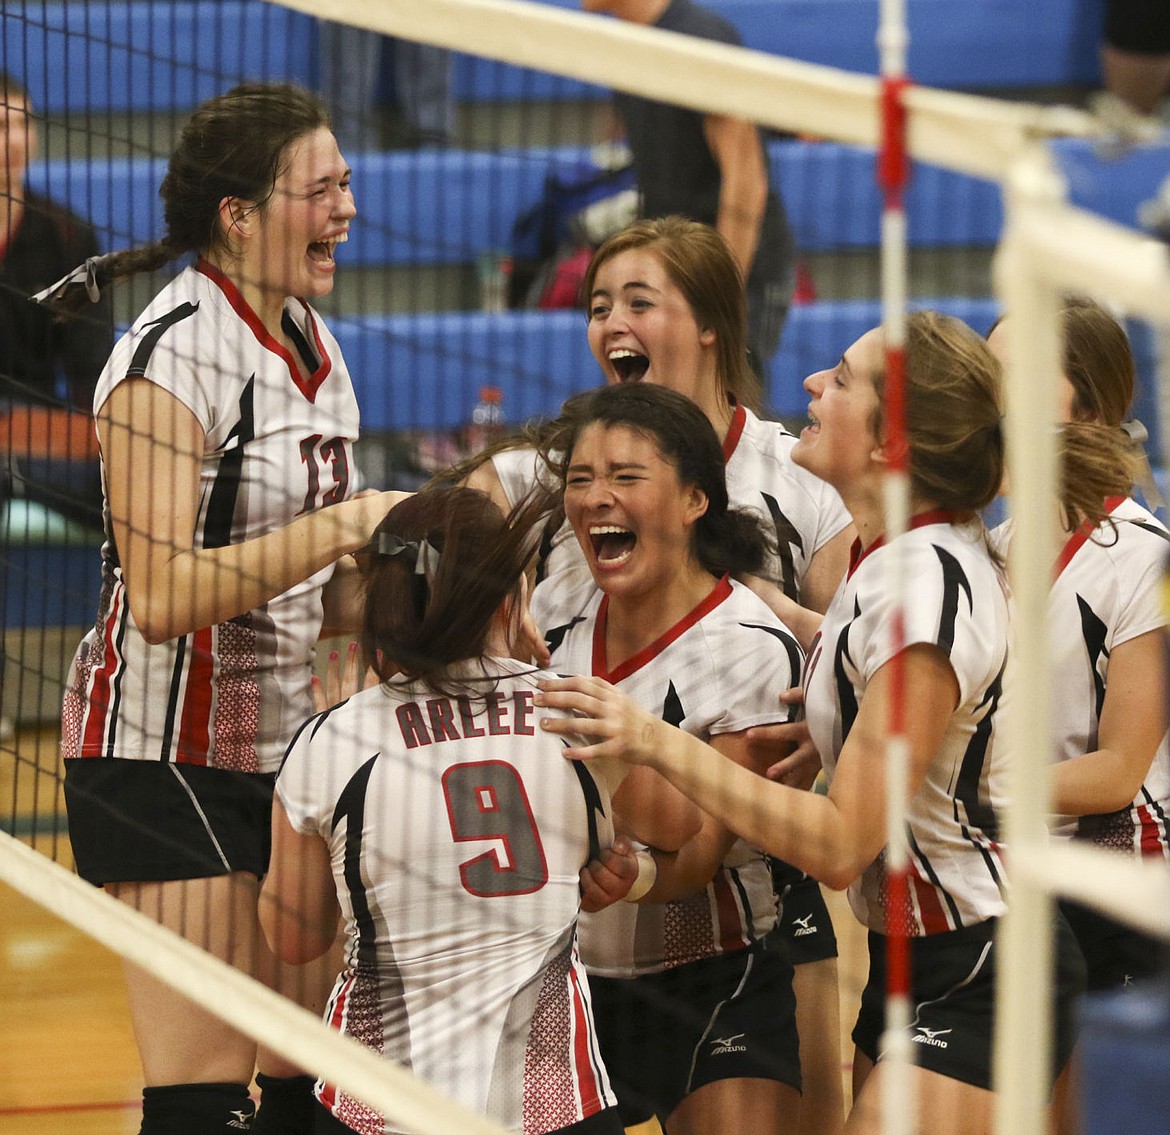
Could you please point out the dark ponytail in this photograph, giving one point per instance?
(436, 571)
(234, 145)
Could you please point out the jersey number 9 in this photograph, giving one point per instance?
(486, 800)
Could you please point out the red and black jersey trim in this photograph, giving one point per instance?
(140, 360)
(787, 538)
(930, 921)
(225, 492)
(954, 581)
(1094, 633)
(846, 697)
(351, 807)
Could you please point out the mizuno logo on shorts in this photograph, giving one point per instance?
(725, 1044)
(930, 1036)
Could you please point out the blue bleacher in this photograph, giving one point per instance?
(967, 45)
(539, 358)
(119, 55)
(446, 206)
(49, 567)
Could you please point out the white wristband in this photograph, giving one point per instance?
(647, 876)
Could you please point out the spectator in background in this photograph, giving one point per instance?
(714, 169)
(39, 242)
(352, 61)
(42, 360)
(1135, 52)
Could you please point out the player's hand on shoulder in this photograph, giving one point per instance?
(616, 724)
(785, 752)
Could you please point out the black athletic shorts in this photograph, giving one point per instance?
(804, 924)
(1115, 954)
(952, 990)
(1140, 26)
(152, 821)
(664, 1035)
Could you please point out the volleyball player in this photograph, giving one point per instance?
(955, 643)
(227, 420)
(447, 829)
(665, 303)
(1112, 785)
(695, 1012)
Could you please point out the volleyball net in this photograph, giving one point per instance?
(487, 162)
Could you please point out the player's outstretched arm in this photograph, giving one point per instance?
(834, 837)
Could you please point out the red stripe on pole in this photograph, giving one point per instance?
(893, 170)
(893, 173)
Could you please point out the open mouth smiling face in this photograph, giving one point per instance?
(629, 365)
(322, 251)
(612, 545)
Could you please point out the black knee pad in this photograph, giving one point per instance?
(197, 1109)
(287, 1105)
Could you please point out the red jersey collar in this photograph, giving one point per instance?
(307, 386)
(1077, 540)
(921, 520)
(717, 595)
(734, 431)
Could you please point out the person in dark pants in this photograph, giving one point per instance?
(1135, 52)
(714, 169)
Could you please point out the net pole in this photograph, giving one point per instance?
(899, 1107)
(1023, 1033)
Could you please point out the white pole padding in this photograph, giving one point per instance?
(235, 997)
(1023, 993)
(1074, 250)
(1134, 891)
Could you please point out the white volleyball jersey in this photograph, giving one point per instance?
(718, 670)
(801, 511)
(456, 831)
(956, 601)
(1108, 590)
(276, 446)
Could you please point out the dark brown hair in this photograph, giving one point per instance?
(1098, 459)
(724, 539)
(700, 264)
(1098, 361)
(953, 413)
(234, 145)
(422, 623)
